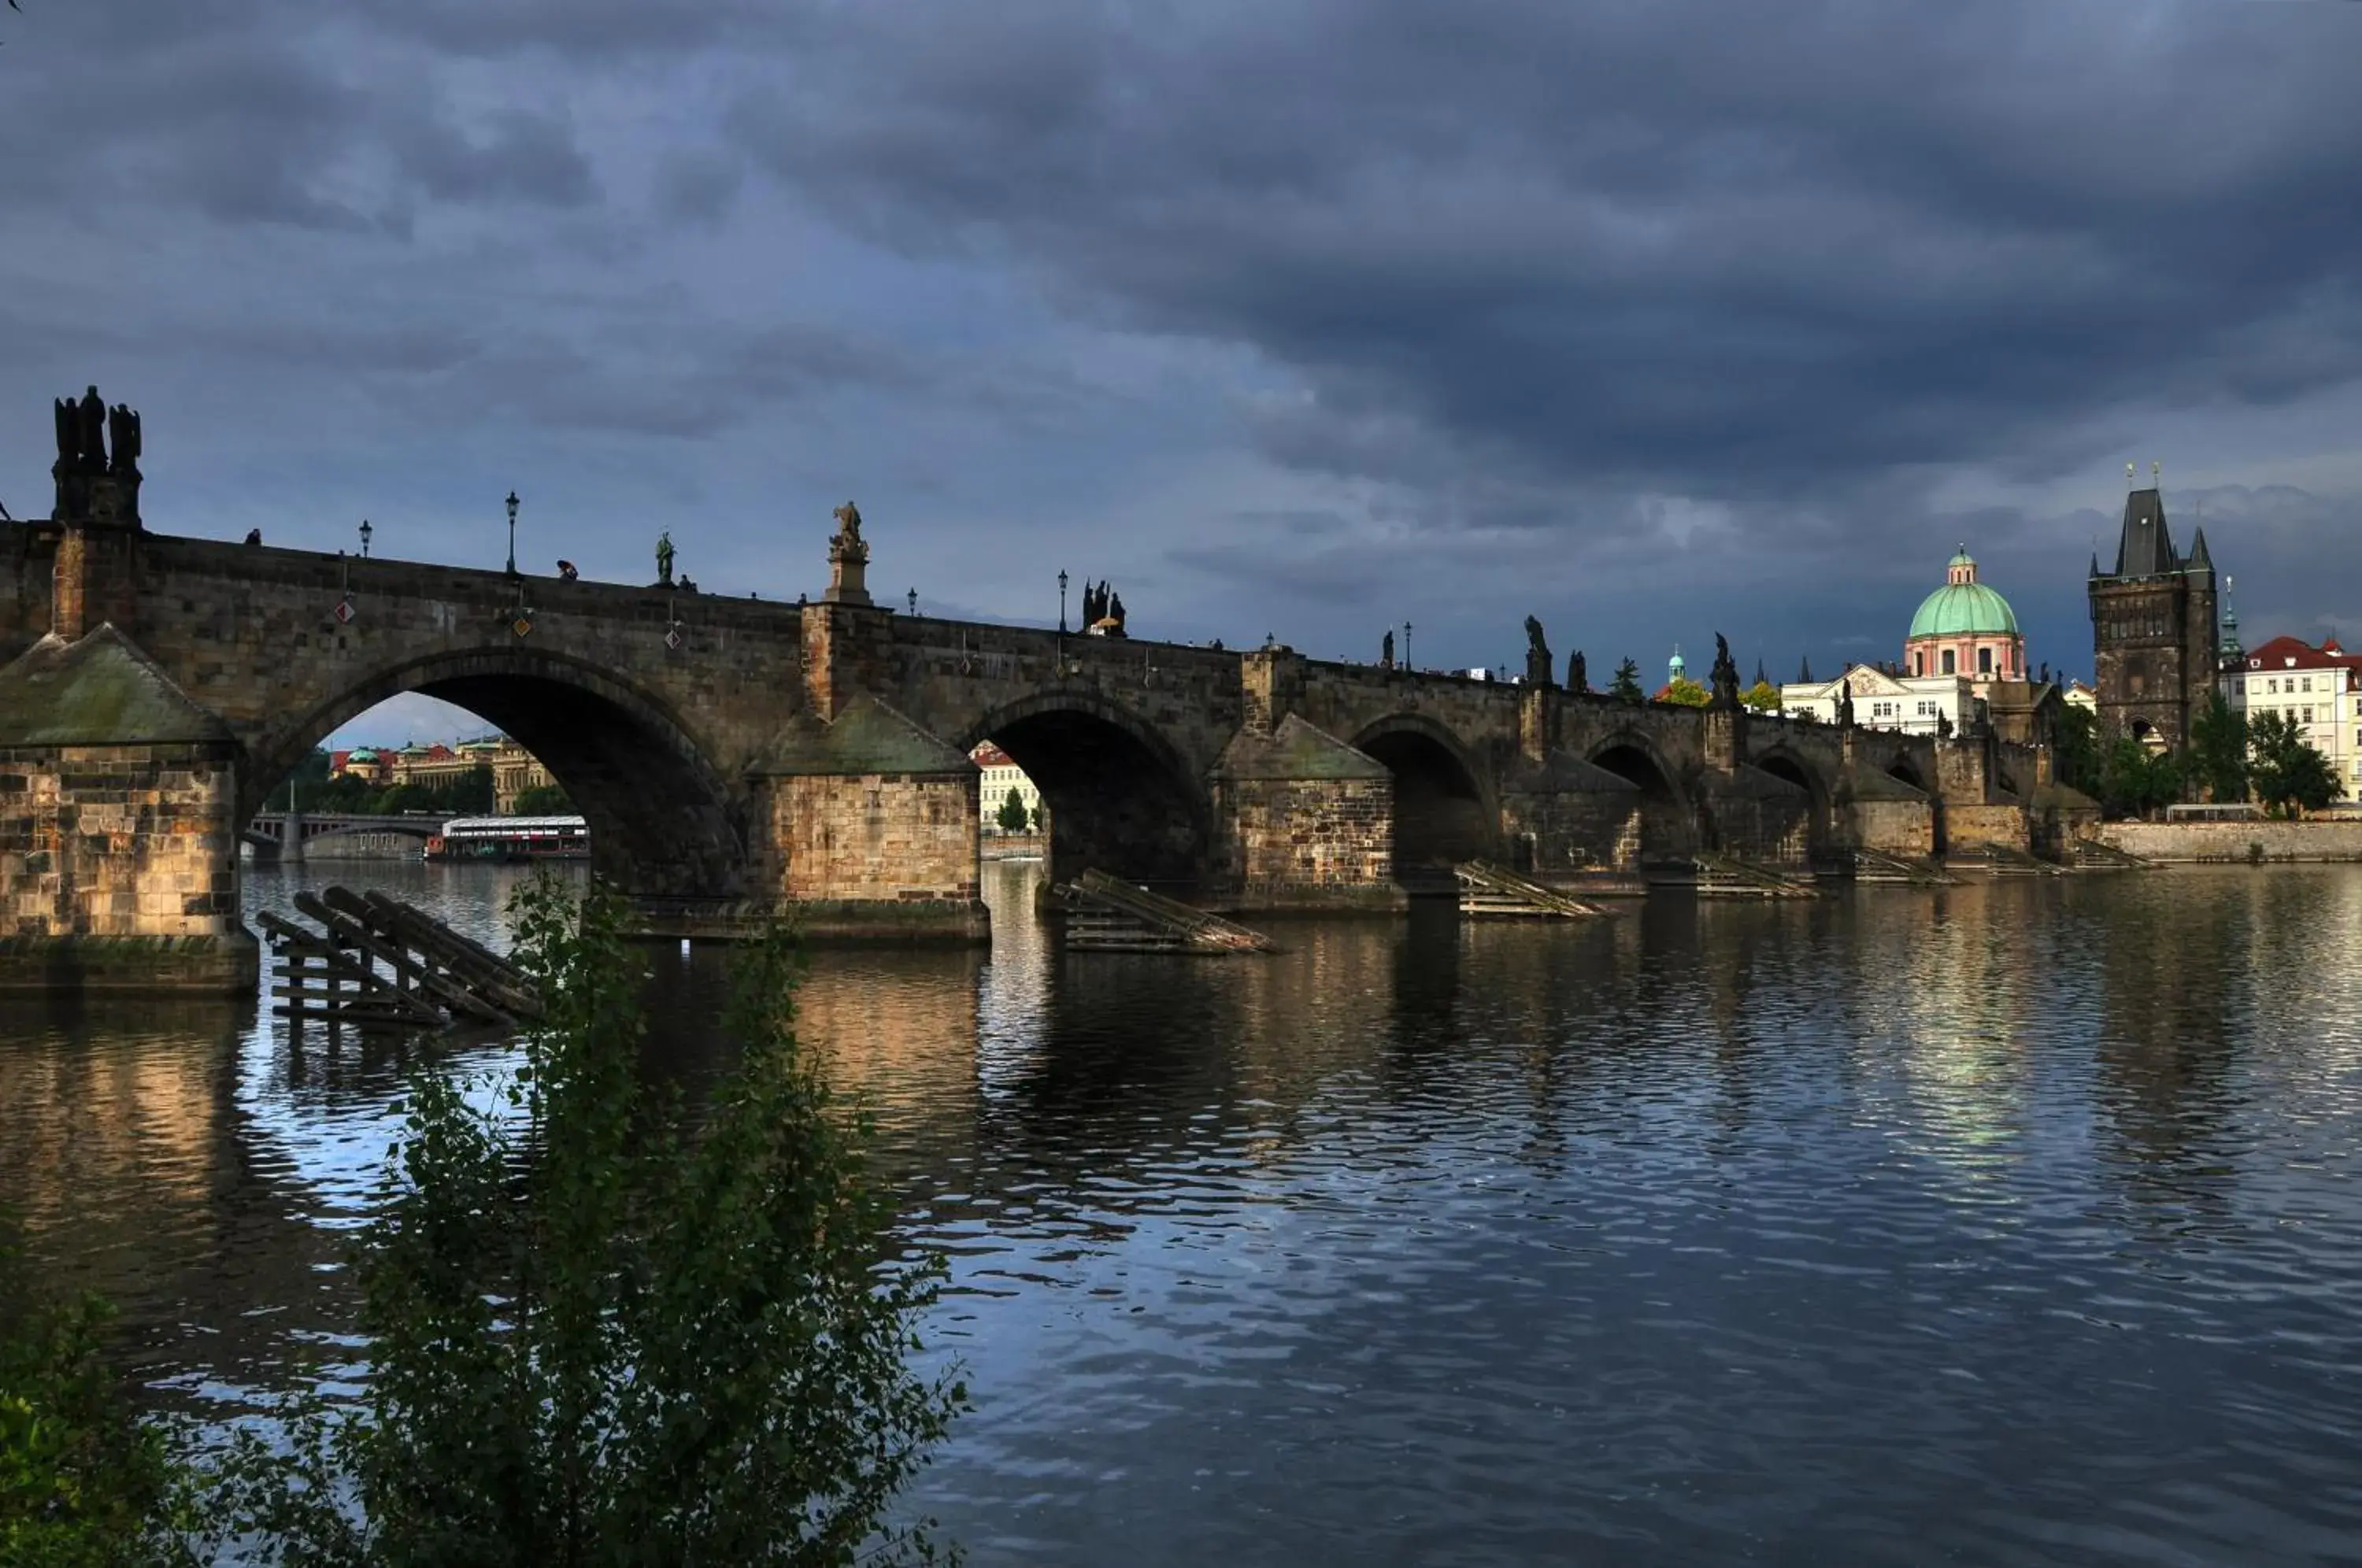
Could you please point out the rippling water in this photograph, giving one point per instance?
(2009, 1223)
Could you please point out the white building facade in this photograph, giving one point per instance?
(2320, 688)
(1915, 704)
(1001, 775)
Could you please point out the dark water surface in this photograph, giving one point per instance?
(2011, 1223)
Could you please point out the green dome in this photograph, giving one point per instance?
(1963, 608)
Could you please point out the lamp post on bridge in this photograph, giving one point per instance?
(366, 531)
(513, 506)
(1407, 664)
(1062, 601)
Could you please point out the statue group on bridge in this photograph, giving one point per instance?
(1102, 610)
(87, 428)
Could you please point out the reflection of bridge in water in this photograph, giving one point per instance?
(735, 757)
(286, 836)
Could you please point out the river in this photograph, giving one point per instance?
(2007, 1223)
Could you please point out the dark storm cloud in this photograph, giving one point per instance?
(1306, 317)
(1734, 249)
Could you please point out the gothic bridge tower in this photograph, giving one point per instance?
(2155, 640)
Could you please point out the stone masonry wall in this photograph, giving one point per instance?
(1289, 841)
(103, 849)
(1973, 827)
(1907, 828)
(893, 837)
(1574, 830)
(2236, 841)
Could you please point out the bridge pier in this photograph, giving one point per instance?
(868, 827)
(118, 830)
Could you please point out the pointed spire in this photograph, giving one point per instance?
(1804, 671)
(2096, 563)
(2198, 556)
(1759, 678)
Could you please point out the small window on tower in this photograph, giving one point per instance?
(1984, 661)
(1949, 666)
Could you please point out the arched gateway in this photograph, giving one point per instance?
(738, 757)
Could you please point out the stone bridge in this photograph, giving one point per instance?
(270, 831)
(733, 753)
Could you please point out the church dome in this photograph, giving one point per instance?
(1963, 606)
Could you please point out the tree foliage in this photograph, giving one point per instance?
(543, 800)
(2078, 756)
(2287, 773)
(596, 1339)
(1763, 697)
(469, 794)
(1012, 816)
(1625, 687)
(2218, 750)
(2136, 779)
(1683, 692)
(83, 1483)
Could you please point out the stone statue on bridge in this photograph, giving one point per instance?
(848, 543)
(664, 558)
(1538, 655)
(1726, 674)
(1578, 678)
(91, 432)
(1386, 651)
(123, 433)
(1844, 705)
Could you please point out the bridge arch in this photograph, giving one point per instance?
(1669, 829)
(1444, 813)
(663, 818)
(1784, 762)
(1117, 793)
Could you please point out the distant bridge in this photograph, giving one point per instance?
(283, 835)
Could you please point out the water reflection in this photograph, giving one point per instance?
(2011, 1221)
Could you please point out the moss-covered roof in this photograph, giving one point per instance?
(99, 691)
(1296, 750)
(1564, 773)
(867, 737)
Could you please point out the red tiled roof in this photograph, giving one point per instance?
(2295, 653)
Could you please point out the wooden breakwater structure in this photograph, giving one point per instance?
(1107, 914)
(379, 963)
(1727, 877)
(1488, 893)
(1876, 866)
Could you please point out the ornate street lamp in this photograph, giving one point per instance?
(1407, 665)
(914, 601)
(1062, 601)
(513, 506)
(365, 537)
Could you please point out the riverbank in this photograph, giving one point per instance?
(2254, 843)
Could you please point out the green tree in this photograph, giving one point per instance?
(1685, 692)
(83, 1483)
(597, 1339)
(1625, 687)
(543, 800)
(2217, 755)
(1013, 815)
(1763, 697)
(2285, 772)
(2079, 759)
(2135, 779)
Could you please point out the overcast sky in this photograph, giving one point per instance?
(1650, 319)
